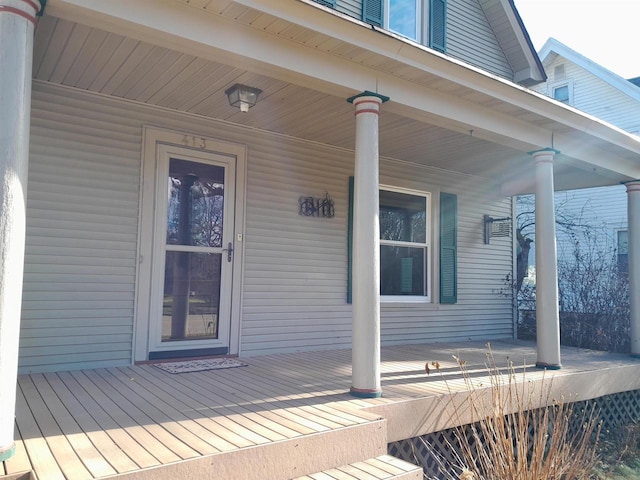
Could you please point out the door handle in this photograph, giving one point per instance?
(229, 251)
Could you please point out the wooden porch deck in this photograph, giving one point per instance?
(281, 417)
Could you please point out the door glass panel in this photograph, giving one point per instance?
(191, 296)
(195, 204)
(191, 302)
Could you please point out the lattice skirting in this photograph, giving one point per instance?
(614, 411)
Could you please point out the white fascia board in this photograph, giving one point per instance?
(553, 48)
(426, 59)
(525, 46)
(178, 26)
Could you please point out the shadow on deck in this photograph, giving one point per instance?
(280, 417)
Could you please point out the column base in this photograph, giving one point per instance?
(7, 452)
(635, 355)
(365, 392)
(548, 366)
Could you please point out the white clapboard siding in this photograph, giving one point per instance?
(604, 209)
(470, 38)
(601, 210)
(82, 233)
(82, 222)
(593, 95)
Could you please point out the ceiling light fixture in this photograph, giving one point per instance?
(242, 96)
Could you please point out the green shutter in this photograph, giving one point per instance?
(327, 3)
(448, 248)
(350, 242)
(438, 24)
(372, 12)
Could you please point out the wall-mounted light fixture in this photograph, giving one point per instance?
(242, 96)
(496, 227)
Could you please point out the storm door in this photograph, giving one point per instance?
(193, 253)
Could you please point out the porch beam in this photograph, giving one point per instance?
(633, 212)
(17, 25)
(209, 35)
(366, 250)
(547, 314)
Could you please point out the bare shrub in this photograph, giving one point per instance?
(593, 288)
(513, 430)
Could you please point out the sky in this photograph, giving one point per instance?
(605, 31)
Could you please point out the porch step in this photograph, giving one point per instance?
(384, 467)
(18, 476)
(284, 459)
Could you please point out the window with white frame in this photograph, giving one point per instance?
(404, 244)
(404, 17)
(562, 91)
(424, 21)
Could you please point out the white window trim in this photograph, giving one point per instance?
(564, 83)
(618, 232)
(429, 257)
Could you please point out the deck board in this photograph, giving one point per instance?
(79, 441)
(19, 462)
(35, 443)
(120, 461)
(154, 434)
(196, 401)
(147, 404)
(97, 423)
(204, 427)
(123, 438)
(69, 462)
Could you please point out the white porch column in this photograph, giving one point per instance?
(366, 250)
(547, 315)
(17, 24)
(633, 212)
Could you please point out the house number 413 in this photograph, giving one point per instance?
(195, 142)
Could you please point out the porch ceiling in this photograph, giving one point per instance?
(91, 59)
(81, 56)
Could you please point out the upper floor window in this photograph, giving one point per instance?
(421, 20)
(402, 17)
(562, 91)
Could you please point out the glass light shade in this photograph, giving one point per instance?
(242, 96)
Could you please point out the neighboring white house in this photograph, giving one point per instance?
(585, 85)
(163, 219)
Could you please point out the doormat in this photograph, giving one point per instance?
(199, 365)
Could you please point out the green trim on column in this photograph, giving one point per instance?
(359, 393)
(8, 453)
(547, 366)
(548, 149)
(350, 243)
(367, 93)
(43, 3)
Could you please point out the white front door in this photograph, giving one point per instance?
(193, 253)
(190, 248)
